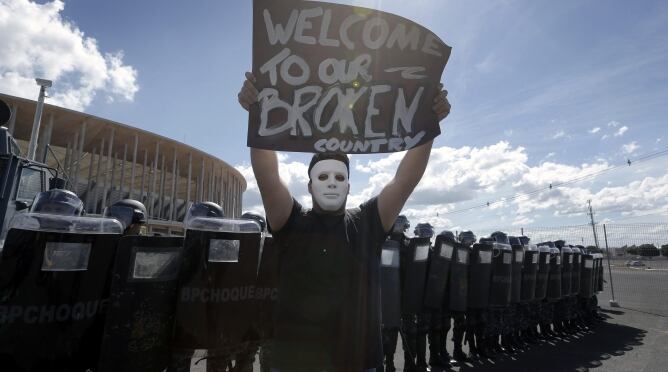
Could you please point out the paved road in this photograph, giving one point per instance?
(633, 338)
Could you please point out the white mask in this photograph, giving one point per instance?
(329, 184)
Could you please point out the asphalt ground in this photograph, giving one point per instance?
(633, 337)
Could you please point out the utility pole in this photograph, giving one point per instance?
(32, 145)
(593, 225)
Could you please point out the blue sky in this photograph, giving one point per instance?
(542, 92)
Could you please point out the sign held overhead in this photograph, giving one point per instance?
(337, 78)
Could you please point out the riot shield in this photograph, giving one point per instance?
(390, 285)
(587, 276)
(480, 275)
(439, 272)
(518, 261)
(54, 290)
(529, 273)
(140, 318)
(577, 268)
(502, 261)
(543, 271)
(459, 278)
(554, 278)
(415, 276)
(216, 305)
(566, 270)
(267, 286)
(599, 275)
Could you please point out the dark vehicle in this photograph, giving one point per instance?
(20, 180)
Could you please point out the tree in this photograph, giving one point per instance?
(664, 250)
(593, 249)
(632, 250)
(648, 250)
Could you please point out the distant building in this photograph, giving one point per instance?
(104, 161)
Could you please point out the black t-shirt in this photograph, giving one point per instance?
(328, 310)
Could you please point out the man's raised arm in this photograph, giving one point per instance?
(409, 173)
(276, 197)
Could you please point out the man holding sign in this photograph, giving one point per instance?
(376, 90)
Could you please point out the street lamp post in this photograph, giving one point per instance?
(32, 147)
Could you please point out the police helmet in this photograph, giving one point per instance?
(127, 212)
(424, 230)
(559, 243)
(257, 218)
(448, 235)
(467, 237)
(524, 240)
(205, 209)
(401, 224)
(500, 237)
(513, 240)
(57, 201)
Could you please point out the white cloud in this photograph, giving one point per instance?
(614, 124)
(559, 134)
(595, 130)
(37, 42)
(474, 175)
(620, 132)
(630, 148)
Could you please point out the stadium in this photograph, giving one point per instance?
(104, 161)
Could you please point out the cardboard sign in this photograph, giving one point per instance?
(338, 78)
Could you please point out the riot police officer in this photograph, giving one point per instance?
(205, 210)
(498, 324)
(390, 333)
(437, 297)
(415, 322)
(459, 294)
(131, 214)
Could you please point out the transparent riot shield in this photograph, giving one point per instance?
(54, 291)
(529, 273)
(458, 284)
(217, 306)
(439, 272)
(502, 259)
(140, 318)
(390, 285)
(480, 275)
(416, 273)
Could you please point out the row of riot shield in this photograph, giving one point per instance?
(416, 277)
(77, 296)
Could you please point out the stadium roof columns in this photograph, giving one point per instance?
(104, 161)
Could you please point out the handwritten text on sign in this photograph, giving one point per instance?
(341, 78)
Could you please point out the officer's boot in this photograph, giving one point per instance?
(436, 359)
(473, 349)
(442, 350)
(421, 357)
(389, 363)
(457, 354)
(506, 344)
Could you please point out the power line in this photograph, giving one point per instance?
(554, 185)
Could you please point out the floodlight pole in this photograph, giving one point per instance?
(32, 147)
